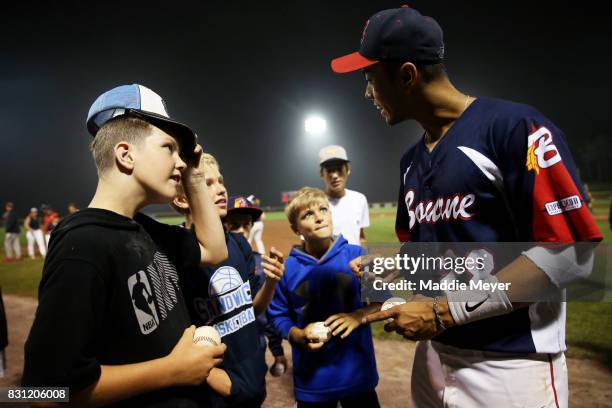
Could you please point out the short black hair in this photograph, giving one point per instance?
(428, 71)
(333, 163)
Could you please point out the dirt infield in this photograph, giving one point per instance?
(278, 233)
(589, 380)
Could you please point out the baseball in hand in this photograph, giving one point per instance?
(389, 303)
(320, 331)
(206, 336)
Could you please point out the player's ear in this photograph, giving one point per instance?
(124, 155)
(408, 74)
(322, 171)
(348, 169)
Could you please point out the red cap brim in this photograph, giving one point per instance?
(351, 62)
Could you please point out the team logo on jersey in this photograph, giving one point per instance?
(440, 209)
(227, 292)
(542, 154)
(564, 205)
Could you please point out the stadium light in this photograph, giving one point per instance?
(315, 125)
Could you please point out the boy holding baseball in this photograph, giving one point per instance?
(229, 296)
(320, 297)
(112, 323)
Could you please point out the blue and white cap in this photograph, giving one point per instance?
(137, 100)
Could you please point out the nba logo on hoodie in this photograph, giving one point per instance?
(143, 302)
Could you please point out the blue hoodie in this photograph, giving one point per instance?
(311, 290)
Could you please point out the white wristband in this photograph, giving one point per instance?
(475, 304)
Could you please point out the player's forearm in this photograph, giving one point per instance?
(208, 227)
(121, 382)
(370, 308)
(220, 382)
(264, 297)
(526, 281)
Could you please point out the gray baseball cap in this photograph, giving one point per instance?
(332, 153)
(139, 101)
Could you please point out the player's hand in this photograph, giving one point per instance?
(190, 364)
(415, 319)
(273, 265)
(305, 339)
(361, 266)
(355, 266)
(343, 324)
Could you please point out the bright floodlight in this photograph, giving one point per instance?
(315, 125)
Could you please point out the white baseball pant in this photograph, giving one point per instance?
(445, 376)
(12, 246)
(36, 236)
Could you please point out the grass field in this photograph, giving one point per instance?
(589, 324)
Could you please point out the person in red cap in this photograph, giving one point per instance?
(485, 170)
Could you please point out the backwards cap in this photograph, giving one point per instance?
(140, 101)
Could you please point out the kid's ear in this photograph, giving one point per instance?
(348, 169)
(181, 202)
(124, 155)
(294, 229)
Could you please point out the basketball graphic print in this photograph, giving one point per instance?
(225, 279)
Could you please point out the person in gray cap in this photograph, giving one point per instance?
(112, 324)
(349, 208)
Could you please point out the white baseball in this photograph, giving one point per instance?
(389, 303)
(321, 331)
(206, 336)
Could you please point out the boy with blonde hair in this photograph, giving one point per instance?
(112, 324)
(229, 296)
(320, 287)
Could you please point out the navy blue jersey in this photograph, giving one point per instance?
(502, 173)
(222, 296)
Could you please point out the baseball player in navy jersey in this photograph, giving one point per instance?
(485, 170)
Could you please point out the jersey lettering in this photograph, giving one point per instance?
(440, 209)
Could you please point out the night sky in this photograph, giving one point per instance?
(245, 75)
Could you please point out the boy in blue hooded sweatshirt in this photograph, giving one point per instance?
(318, 286)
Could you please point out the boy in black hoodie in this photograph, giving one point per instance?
(112, 324)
